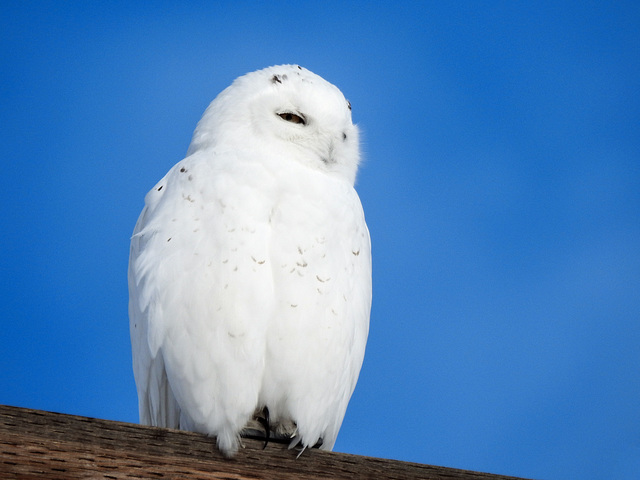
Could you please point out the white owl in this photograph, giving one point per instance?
(250, 268)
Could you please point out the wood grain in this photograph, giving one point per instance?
(38, 444)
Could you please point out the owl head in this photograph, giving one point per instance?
(283, 110)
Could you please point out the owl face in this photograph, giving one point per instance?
(289, 111)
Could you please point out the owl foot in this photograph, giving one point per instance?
(260, 427)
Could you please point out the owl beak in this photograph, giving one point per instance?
(329, 158)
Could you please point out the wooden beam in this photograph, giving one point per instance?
(37, 444)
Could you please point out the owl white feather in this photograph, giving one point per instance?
(250, 267)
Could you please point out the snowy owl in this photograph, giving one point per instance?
(250, 268)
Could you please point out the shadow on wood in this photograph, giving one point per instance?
(38, 444)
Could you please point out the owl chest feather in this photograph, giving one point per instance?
(248, 235)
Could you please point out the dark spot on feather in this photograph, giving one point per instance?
(349, 104)
(344, 136)
(160, 187)
(182, 170)
(278, 78)
(169, 239)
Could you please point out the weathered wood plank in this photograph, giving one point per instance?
(38, 444)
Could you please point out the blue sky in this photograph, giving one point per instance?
(501, 185)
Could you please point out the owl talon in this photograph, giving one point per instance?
(264, 421)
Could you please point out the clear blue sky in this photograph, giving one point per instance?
(501, 185)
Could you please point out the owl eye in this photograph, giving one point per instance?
(292, 117)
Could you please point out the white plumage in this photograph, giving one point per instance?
(250, 267)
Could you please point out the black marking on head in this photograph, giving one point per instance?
(160, 187)
(344, 136)
(278, 78)
(348, 104)
(299, 67)
(182, 170)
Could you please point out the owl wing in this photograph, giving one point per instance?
(156, 403)
(200, 295)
